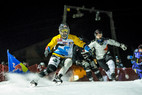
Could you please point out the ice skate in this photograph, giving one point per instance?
(58, 79)
(113, 76)
(33, 83)
(91, 79)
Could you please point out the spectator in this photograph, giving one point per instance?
(41, 67)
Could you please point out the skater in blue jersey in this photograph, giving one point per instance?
(136, 60)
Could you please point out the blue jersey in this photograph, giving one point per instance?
(137, 63)
(137, 57)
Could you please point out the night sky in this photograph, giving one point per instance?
(24, 24)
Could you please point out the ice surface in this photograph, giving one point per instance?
(20, 85)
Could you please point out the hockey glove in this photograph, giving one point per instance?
(87, 48)
(139, 63)
(78, 62)
(46, 52)
(123, 46)
(129, 57)
(133, 62)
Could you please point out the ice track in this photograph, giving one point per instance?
(19, 85)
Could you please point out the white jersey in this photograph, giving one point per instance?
(101, 50)
(65, 47)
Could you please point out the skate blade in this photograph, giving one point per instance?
(33, 84)
(57, 83)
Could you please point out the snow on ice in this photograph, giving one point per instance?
(20, 85)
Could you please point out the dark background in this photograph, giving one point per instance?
(25, 23)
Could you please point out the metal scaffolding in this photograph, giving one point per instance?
(108, 13)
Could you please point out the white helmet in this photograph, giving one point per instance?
(42, 63)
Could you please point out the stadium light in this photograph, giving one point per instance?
(98, 16)
(78, 14)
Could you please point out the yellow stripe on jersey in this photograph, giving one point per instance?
(58, 55)
(53, 42)
(75, 39)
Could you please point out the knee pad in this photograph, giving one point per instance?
(51, 68)
(67, 65)
(111, 66)
(68, 62)
(85, 64)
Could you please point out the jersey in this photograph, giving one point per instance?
(102, 49)
(137, 57)
(137, 63)
(64, 47)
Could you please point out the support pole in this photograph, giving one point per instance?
(65, 14)
(113, 34)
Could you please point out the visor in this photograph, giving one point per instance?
(64, 30)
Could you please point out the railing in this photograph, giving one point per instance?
(122, 74)
(3, 70)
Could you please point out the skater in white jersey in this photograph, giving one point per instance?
(104, 59)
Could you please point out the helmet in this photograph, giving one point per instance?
(98, 31)
(100, 40)
(116, 57)
(140, 46)
(64, 30)
(42, 63)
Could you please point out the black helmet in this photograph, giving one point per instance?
(98, 31)
(64, 28)
(140, 46)
(99, 40)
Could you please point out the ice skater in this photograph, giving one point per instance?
(103, 56)
(62, 46)
(136, 60)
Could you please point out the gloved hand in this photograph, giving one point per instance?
(139, 63)
(132, 61)
(46, 52)
(86, 47)
(123, 46)
(78, 62)
(129, 57)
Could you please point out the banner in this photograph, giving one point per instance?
(14, 65)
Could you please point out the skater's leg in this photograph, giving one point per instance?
(52, 66)
(86, 67)
(63, 70)
(111, 66)
(96, 71)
